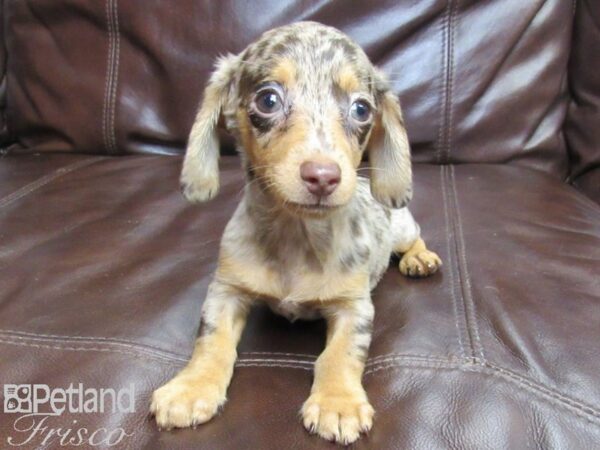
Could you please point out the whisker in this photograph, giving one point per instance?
(369, 168)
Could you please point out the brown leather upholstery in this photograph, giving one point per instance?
(104, 265)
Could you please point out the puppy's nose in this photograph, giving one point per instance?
(321, 179)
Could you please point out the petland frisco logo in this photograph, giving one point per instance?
(38, 404)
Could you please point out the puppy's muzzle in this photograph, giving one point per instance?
(320, 179)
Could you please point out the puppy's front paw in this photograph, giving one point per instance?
(198, 189)
(420, 264)
(185, 402)
(339, 418)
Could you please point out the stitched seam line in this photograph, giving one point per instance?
(457, 281)
(113, 133)
(250, 362)
(83, 344)
(108, 77)
(539, 390)
(467, 291)
(43, 181)
(553, 393)
(443, 82)
(450, 83)
(8, 136)
(93, 339)
(135, 347)
(458, 315)
(287, 366)
(111, 79)
(138, 353)
(298, 355)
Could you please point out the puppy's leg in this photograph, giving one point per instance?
(196, 393)
(418, 261)
(338, 408)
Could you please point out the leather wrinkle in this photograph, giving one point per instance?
(497, 68)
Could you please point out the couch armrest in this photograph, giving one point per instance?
(3, 129)
(582, 132)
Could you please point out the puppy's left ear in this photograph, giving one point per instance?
(200, 172)
(389, 151)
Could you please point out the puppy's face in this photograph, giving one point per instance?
(304, 103)
(304, 116)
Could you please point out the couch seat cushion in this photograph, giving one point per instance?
(104, 268)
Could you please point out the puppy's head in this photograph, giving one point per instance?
(304, 103)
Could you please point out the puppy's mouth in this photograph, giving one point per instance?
(318, 207)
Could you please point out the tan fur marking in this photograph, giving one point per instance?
(285, 72)
(347, 80)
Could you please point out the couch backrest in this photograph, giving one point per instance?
(479, 81)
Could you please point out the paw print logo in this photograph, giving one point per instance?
(11, 404)
(17, 398)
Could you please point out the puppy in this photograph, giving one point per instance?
(309, 237)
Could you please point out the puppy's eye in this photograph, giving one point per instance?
(360, 111)
(268, 102)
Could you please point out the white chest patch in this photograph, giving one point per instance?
(294, 310)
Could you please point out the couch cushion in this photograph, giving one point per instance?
(480, 81)
(105, 267)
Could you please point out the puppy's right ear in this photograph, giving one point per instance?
(200, 172)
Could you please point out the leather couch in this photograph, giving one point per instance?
(104, 266)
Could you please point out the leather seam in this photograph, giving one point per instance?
(83, 339)
(448, 38)
(537, 389)
(141, 348)
(45, 180)
(382, 359)
(108, 76)
(286, 366)
(451, 267)
(110, 89)
(529, 383)
(467, 291)
(138, 353)
(443, 85)
(115, 76)
(4, 79)
(449, 118)
(297, 355)
(150, 349)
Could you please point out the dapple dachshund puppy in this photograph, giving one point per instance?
(309, 237)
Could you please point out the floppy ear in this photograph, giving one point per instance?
(200, 173)
(389, 153)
